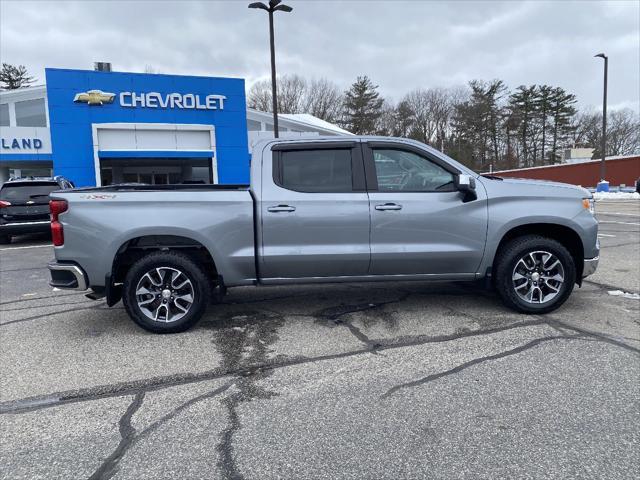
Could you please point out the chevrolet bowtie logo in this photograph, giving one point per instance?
(94, 97)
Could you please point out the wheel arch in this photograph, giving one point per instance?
(563, 234)
(135, 248)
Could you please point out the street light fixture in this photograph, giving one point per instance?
(603, 185)
(274, 6)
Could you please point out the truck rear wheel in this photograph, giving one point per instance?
(534, 274)
(166, 292)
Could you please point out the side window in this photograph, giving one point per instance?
(322, 170)
(4, 114)
(400, 170)
(31, 113)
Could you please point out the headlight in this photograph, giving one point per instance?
(589, 204)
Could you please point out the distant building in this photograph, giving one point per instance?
(621, 170)
(576, 155)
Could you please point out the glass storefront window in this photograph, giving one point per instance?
(31, 113)
(156, 171)
(4, 114)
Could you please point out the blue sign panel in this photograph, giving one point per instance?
(78, 99)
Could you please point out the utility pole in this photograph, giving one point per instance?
(274, 6)
(603, 185)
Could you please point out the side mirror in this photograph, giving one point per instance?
(467, 185)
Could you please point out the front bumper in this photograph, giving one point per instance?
(589, 266)
(22, 228)
(67, 276)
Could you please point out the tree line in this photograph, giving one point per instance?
(483, 124)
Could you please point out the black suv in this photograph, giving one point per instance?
(24, 205)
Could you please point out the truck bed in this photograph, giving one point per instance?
(100, 221)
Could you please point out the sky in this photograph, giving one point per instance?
(400, 45)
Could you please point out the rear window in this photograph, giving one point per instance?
(23, 192)
(323, 170)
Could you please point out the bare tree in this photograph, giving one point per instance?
(422, 104)
(388, 120)
(323, 100)
(320, 98)
(291, 91)
(623, 132)
(259, 97)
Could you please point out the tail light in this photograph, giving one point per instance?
(57, 207)
(4, 204)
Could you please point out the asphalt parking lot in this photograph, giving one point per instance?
(401, 380)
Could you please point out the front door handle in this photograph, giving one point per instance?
(389, 206)
(281, 208)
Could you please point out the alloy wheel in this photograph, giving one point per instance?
(538, 277)
(164, 294)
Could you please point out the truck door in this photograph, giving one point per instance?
(420, 223)
(314, 211)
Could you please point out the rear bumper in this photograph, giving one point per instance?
(589, 266)
(67, 276)
(21, 228)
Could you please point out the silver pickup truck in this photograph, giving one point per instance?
(340, 209)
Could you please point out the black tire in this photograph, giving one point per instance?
(199, 283)
(509, 256)
(5, 239)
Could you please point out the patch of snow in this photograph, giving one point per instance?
(313, 121)
(620, 293)
(616, 196)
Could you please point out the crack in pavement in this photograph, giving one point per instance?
(109, 466)
(48, 305)
(604, 286)
(31, 299)
(157, 383)
(335, 313)
(38, 317)
(129, 438)
(475, 361)
(227, 462)
(590, 333)
(245, 346)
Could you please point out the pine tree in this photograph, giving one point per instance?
(477, 123)
(12, 77)
(544, 105)
(362, 107)
(562, 112)
(522, 104)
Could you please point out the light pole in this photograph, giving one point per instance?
(602, 185)
(274, 6)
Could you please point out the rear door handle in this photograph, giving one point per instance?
(281, 208)
(389, 206)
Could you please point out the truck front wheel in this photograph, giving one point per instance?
(166, 292)
(534, 274)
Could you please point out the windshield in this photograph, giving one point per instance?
(36, 192)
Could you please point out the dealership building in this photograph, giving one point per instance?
(102, 127)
